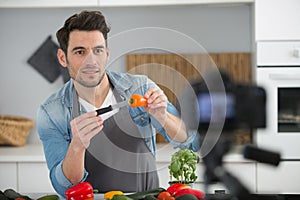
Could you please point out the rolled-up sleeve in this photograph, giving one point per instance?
(193, 140)
(55, 143)
(60, 182)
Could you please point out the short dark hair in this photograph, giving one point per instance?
(84, 21)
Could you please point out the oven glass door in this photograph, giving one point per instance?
(288, 109)
(282, 85)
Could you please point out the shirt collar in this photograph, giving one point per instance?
(118, 80)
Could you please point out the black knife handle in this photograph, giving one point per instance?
(104, 110)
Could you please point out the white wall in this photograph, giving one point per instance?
(216, 28)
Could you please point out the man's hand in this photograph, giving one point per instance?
(84, 128)
(157, 107)
(157, 104)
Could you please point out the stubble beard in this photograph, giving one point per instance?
(84, 83)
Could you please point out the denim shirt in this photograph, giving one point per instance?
(55, 114)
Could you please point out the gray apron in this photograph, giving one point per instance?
(118, 158)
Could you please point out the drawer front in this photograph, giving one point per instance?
(278, 53)
(8, 175)
(34, 178)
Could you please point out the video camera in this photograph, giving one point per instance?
(217, 104)
(227, 103)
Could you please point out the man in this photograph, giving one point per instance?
(113, 151)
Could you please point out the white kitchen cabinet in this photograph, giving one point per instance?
(8, 175)
(46, 3)
(277, 20)
(283, 179)
(25, 177)
(107, 3)
(24, 169)
(278, 53)
(33, 178)
(112, 3)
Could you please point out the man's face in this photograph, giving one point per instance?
(87, 57)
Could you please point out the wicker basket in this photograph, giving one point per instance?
(14, 130)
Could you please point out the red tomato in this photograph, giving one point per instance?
(170, 198)
(164, 195)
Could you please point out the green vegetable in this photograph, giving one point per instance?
(11, 194)
(3, 197)
(142, 195)
(150, 197)
(120, 197)
(187, 197)
(49, 197)
(183, 166)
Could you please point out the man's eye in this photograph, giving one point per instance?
(99, 51)
(80, 52)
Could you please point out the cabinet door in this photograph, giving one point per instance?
(283, 179)
(277, 20)
(34, 178)
(8, 175)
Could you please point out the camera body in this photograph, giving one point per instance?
(235, 106)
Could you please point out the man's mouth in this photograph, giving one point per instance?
(90, 70)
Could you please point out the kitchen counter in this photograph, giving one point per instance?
(27, 153)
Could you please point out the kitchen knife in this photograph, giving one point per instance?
(111, 107)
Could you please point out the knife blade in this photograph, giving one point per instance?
(111, 107)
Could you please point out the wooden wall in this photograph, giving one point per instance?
(170, 71)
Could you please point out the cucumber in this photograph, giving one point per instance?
(142, 195)
(11, 194)
(49, 197)
(120, 197)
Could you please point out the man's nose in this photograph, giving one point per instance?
(90, 59)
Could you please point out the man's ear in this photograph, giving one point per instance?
(61, 56)
(107, 52)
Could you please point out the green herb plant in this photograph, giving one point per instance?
(183, 166)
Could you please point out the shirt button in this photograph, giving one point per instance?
(142, 119)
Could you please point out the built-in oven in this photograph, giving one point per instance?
(282, 133)
(278, 71)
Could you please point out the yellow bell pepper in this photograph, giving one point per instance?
(109, 195)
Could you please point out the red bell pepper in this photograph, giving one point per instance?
(172, 189)
(81, 191)
(197, 193)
